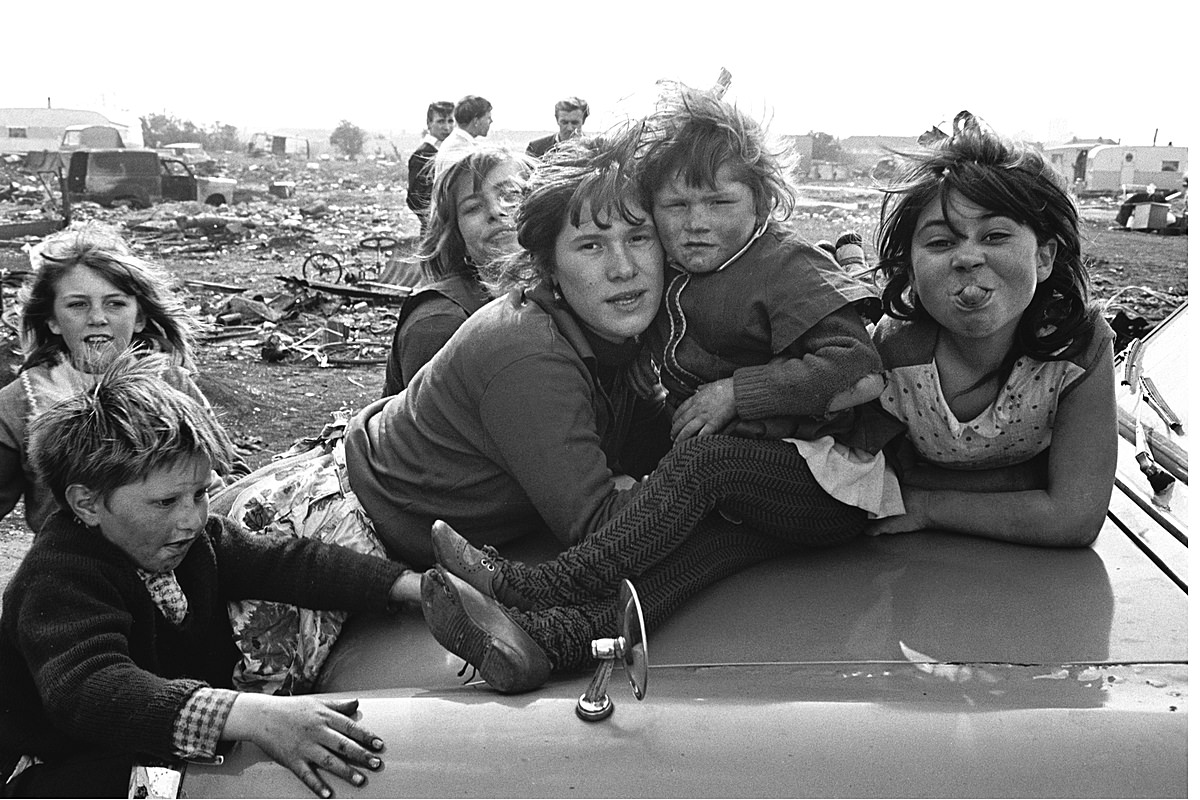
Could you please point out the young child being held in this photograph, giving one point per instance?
(114, 638)
(997, 364)
(89, 299)
(758, 328)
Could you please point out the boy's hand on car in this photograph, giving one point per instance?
(708, 411)
(305, 735)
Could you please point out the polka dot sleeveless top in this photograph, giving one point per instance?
(1016, 427)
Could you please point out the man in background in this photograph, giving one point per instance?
(473, 115)
(439, 121)
(570, 114)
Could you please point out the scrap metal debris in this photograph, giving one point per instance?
(284, 211)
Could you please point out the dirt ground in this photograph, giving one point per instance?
(267, 405)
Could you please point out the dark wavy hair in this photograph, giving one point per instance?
(570, 104)
(442, 251)
(169, 327)
(1006, 178)
(439, 107)
(584, 171)
(470, 108)
(693, 133)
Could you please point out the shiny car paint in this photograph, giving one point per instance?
(926, 664)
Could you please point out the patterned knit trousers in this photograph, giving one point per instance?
(765, 484)
(668, 541)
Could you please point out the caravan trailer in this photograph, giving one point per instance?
(80, 137)
(1118, 168)
(1070, 159)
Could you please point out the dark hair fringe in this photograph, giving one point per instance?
(584, 171)
(1007, 178)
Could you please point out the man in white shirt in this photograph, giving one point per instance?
(473, 115)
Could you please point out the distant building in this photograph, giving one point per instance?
(29, 130)
(802, 148)
(1122, 169)
(863, 153)
(1070, 158)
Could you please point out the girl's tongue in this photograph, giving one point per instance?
(972, 296)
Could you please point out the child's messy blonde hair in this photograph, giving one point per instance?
(693, 133)
(126, 427)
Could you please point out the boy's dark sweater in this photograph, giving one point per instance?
(87, 661)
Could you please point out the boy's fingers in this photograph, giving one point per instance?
(686, 430)
(354, 749)
(346, 707)
(312, 780)
(354, 740)
(335, 764)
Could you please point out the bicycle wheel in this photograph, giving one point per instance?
(379, 242)
(323, 267)
(352, 354)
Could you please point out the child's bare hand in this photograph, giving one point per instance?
(624, 482)
(708, 411)
(915, 517)
(306, 735)
(905, 523)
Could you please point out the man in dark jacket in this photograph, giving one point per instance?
(439, 121)
(570, 114)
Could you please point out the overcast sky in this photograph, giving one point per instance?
(1040, 70)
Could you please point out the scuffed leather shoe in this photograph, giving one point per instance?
(476, 628)
(480, 568)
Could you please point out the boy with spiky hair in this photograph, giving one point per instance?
(115, 643)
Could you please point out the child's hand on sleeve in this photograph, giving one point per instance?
(708, 411)
(305, 734)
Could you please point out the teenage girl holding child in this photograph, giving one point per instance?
(999, 369)
(758, 336)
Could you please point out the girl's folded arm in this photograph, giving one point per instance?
(1081, 465)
